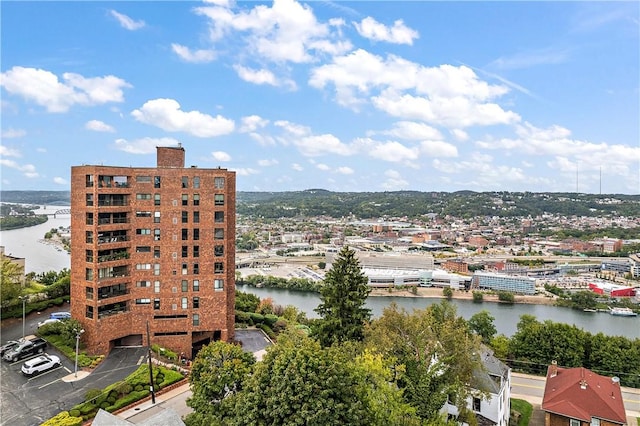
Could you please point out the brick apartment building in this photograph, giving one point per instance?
(154, 248)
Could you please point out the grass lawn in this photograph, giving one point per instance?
(524, 408)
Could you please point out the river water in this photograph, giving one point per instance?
(41, 257)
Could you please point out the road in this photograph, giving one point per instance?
(29, 401)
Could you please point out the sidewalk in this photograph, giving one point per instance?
(175, 397)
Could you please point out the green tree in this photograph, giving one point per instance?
(342, 300)
(482, 323)
(217, 374)
(434, 351)
(300, 383)
(447, 292)
(584, 299)
(10, 282)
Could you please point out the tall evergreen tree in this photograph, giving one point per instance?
(342, 299)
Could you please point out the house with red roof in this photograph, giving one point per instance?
(580, 397)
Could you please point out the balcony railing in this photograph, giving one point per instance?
(116, 239)
(112, 221)
(110, 294)
(113, 311)
(113, 256)
(112, 203)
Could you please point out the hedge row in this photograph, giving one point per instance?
(16, 310)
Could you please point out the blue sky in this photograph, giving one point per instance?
(345, 96)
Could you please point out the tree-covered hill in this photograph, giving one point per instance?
(412, 204)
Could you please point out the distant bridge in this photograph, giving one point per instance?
(61, 211)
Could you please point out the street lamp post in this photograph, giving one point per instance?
(78, 334)
(24, 302)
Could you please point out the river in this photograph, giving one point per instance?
(40, 257)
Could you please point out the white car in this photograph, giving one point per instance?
(40, 364)
(48, 321)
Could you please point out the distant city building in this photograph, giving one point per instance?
(153, 250)
(456, 265)
(618, 266)
(611, 289)
(501, 282)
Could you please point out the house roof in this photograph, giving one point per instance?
(582, 394)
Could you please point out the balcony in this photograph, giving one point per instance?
(112, 309)
(111, 256)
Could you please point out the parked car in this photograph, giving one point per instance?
(25, 348)
(10, 344)
(60, 315)
(48, 321)
(40, 364)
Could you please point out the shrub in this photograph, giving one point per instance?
(267, 330)
(243, 317)
(104, 405)
(112, 399)
(270, 319)
(63, 419)
(477, 296)
(138, 388)
(447, 292)
(74, 413)
(92, 394)
(506, 296)
(123, 402)
(256, 318)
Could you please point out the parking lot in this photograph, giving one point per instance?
(28, 401)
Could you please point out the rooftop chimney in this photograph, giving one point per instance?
(553, 369)
(583, 384)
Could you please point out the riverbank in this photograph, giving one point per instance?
(433, 292)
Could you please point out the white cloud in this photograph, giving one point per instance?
(127, 22)
(9, 152)
(98, 126)
(246, 171)
(221, 156)
(251, 123)
(288, 31)
(13, 133)
(530, 59)
(392, 151)
(374, 30)
(394, 181)
(268, 163)
(201, 56)
(262, 76)
(297, 167)
(166, 114)
(144, 145)
(438, 149)
(344, 170)
(28, 170)
(459, 134)
(321, 144)
(60, 181)
(411, 130)
(322, 166)
(44, 88)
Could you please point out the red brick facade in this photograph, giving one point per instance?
(153, 247)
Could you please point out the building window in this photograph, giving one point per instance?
(196, 233)
(196, 251)
(218, 267)
(156, 181)
(218, 200)
(88, 274)
(89, 200)
(196, 268)
(143, 214)
(196, 285)
(156, 286)
(156, 199)
(156, 303)
(156, 252)
(574, 422)
(595, 422)
(88, 237)
(185, 251)
(143, 266)
(196, 304)
(185, 285)
(143, 249)
(143, 196)
(218, 251)
(184, 303)
(218, 234)
(89, 219)
(143, 284)
(196, 182)
(218, 183)
(196, 319)
(156, 217)
(196, 217)
(156, 269)
(476, 404)
(89, 255)
(185, 269)
(185, 181)
(218, 284)
(89, 292)
(143, 179)
(88, 181)
(185, 200)
(185, 234)
(143, 301)
(185, 217)
(142, 231)
(218, 217)
(156, 234)
(88, 312)
(196, 199)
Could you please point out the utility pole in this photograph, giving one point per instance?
(153, 394)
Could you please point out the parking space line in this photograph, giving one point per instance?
(140, 360)
(68, 371)
(50, 383)
(45, 373)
